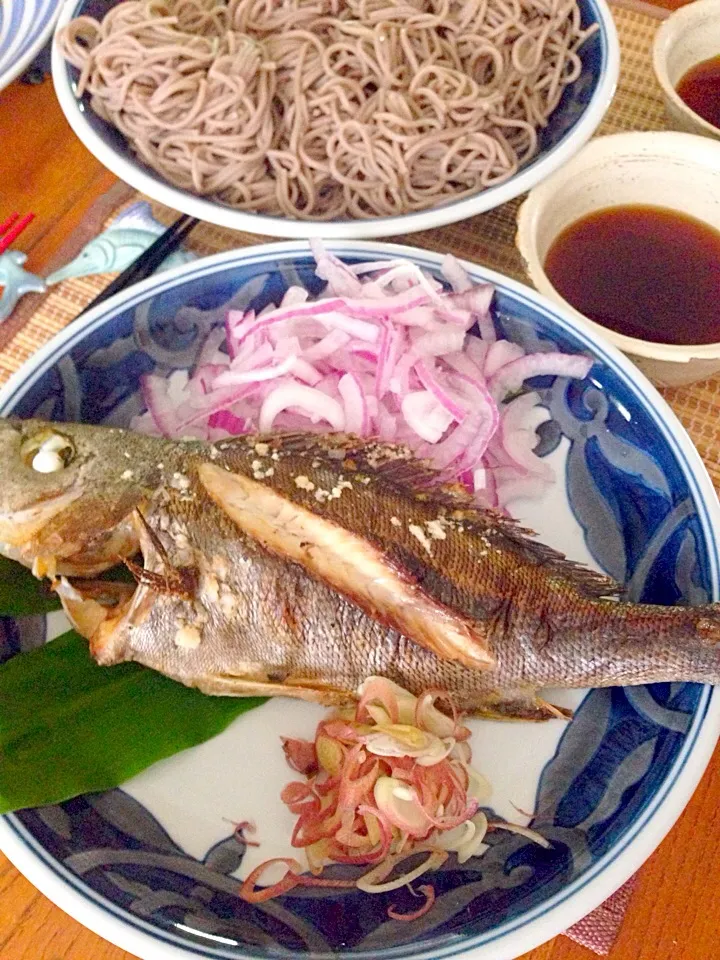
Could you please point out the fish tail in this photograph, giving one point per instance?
(641, 643)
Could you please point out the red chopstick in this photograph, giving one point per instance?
(11, 229)
(6, 224)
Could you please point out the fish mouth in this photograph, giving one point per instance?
(105, 612)
(95, 608)
(54, 555)
(19, 527)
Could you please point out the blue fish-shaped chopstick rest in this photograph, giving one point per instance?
(119, 245)
(112, 251)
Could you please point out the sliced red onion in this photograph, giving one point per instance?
(233, 320)
(482, 404)
(310, 400)
(477, 299)
(477, 350)
(233, 378)
(226, 420)
(217, 400)
(519, 436)
(500, 353)
(375, 266)
(423, 317)
(455, 275)
(386, 424)
(463, 364)
(438, 343)
(206, 375)
(210, 352)
(146, 423)
(340, 278)
(485, 487)
(511, 377)
(400, 379)
(331, 342)
(451, 449)
(252, 353)
(365, 351)
(428, 378)
(350, 307)
(384, 353)
(286, 347)
(514, 486)
(305, 371)
(161, 407)
(294, 295)
(425, 415)
(405, 270)
(456, 315)
(361, 329)
(356, 410)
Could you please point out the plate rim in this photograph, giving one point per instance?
(623, 858)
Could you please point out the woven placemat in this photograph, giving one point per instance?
(487, 239)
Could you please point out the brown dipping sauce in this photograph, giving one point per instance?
(643, 271)
(700, 89)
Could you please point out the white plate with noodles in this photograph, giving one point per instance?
(342, 121)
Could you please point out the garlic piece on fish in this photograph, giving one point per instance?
(188, 637)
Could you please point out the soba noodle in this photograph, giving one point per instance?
(322, 109)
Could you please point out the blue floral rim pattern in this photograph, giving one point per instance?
(664, 723)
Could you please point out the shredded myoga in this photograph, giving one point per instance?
(327, 109)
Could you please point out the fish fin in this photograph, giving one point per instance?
(532, 708)
(174, 580)
(587, 582)
(138, 216)
(350, 564)
(396, 465)
(226, 685)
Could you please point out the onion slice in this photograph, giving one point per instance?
(386, 781)
(369, 883)
(384, 353)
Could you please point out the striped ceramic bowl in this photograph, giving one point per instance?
(25, 27)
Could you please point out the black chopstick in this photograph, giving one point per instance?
(148, 261)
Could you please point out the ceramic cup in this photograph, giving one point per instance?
(686, 38)
(674, 170)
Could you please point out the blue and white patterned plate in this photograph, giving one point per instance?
(25, 27)
(155, 867)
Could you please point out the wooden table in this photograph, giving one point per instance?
(675, 911)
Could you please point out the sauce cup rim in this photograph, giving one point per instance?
(617, 144)
(666, 35)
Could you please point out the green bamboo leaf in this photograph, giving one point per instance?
(21, 593)
(69, 726)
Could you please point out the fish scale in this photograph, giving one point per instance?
(300, 565)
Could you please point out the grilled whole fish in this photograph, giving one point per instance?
(300, 565)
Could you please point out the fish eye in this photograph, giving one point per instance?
(47, 451)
